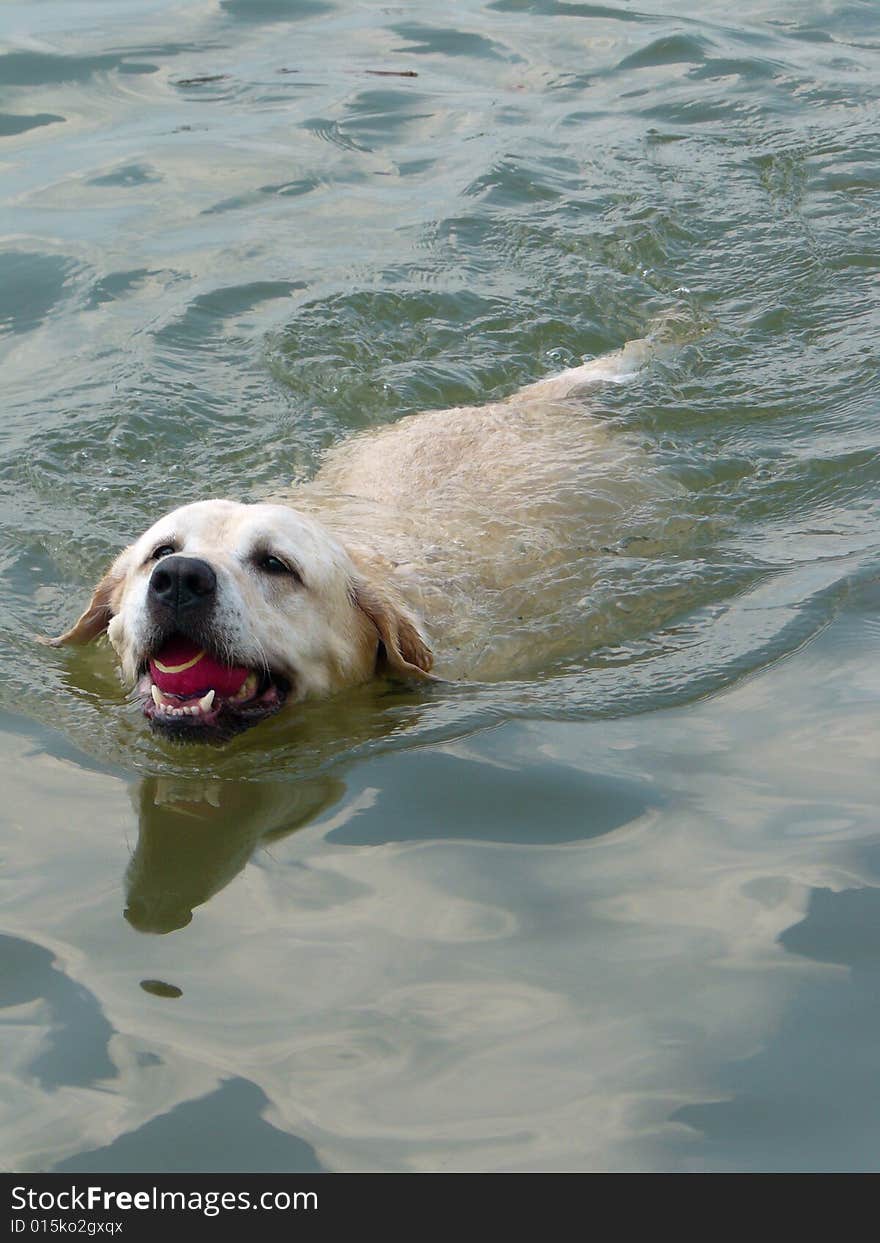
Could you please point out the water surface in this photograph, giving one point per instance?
(618, 915)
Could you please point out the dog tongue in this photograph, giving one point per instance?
(183, 668)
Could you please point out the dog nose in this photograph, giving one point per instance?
(181, 583)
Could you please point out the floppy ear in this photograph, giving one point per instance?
(96, 618)
(403, 652)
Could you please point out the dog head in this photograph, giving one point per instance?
(222, 612)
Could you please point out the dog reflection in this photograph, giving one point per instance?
(195, 836)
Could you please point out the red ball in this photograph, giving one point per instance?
(183, 668)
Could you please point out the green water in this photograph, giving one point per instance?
(620, 915)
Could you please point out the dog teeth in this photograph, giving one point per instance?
(249, 689)
(167, 708)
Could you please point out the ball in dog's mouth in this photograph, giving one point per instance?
(188, 691)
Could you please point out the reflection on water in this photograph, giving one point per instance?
(416, 980)
(196, 1136)
(619, 915)
(75, 1051)
(195, 837)
(804, 1101)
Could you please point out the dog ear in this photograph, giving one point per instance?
(96, 618)
(403, 651)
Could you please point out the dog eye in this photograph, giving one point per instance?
(164, 550)
(270, 564)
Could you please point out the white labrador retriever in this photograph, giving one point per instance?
(465, 524)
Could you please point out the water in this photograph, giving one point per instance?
(620, 914)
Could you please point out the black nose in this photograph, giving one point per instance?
(181, 583)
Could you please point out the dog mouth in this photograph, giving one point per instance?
(189, 692)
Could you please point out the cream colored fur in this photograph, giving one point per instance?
(460, 539)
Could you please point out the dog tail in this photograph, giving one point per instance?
(668, 332)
